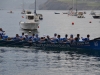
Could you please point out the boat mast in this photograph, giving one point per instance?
(23, 5)
(35, 7)
(73, 4)
(76, 7)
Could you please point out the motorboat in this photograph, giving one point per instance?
(96, 16)
(31, 22)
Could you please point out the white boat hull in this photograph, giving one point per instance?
(29, 26)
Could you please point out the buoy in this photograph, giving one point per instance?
(22, 16)
(72, 23)
(90, 22)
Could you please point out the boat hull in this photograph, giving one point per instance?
(29, 26)
(96, 17)
(88, 45)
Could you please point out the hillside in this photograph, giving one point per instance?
(67, 4)
(18, 4)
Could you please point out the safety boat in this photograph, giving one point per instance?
(88, 45)
(31, 22)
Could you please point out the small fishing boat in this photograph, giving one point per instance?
(88, 45)
(65, 13)
(57, 13)
(10, 12)
(23, 11)
(96, 16)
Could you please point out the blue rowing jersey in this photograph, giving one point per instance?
(85, 39)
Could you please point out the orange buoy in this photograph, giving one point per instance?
(72, 23)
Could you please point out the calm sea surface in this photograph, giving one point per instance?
(30, 61)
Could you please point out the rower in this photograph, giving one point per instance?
(86, 39)
(54, 39)
(2, 35)
(65, 39)
(77, 38)
(37, 38)
(17, 38)
(59, 39)
(71, 38)
(22, 36)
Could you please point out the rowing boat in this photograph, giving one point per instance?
(92, 44)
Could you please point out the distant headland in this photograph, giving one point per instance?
(67, 4)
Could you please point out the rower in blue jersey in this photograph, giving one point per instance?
(71, 39)
(59, 39)
(22, 36)
(48, 39)
(65, 39)
(17, 38)
(86, 39)
(77, 38)
(32, 37)
(26, 38)
(2, 34)
(36, 38)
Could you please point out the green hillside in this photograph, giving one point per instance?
(66, 4)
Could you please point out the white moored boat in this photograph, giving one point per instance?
(30, 23)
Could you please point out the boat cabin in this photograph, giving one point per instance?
(30, 16)
(28, 12)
